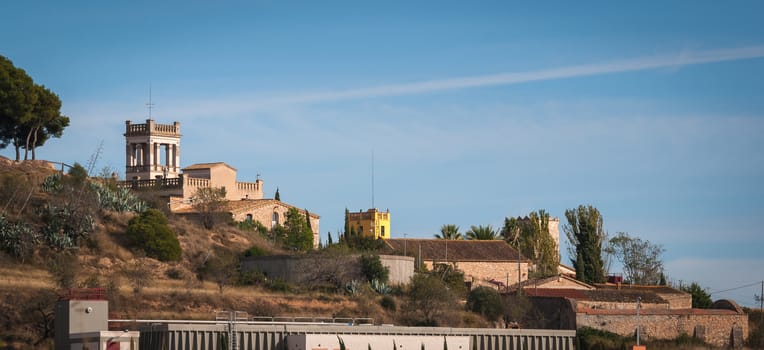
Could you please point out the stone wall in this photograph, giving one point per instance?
(608, 305)
(313, 269)
(480, 272)
(716, 327)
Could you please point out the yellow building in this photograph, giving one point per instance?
(371, 223)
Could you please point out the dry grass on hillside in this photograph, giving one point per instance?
(28, 289)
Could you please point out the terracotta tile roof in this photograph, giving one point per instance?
(617, 296)
(246, 206)
(649, 311)
(532, 283)
(249, 205)
(653, 289)
(576, 294)
(454, 250)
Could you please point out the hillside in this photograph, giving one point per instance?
(40, 258)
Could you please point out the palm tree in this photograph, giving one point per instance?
(481, 233)
(449, 231)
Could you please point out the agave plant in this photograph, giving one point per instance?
(380, 287)
(17, 239)
(353, 287)
(52, 183)
(121, 200)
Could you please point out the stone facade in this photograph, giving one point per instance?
(219, 175)
(145, 146)
(663, 314)
(484, 262)
(496, 274)
(145, 171)
(716, 327)
(270, 213)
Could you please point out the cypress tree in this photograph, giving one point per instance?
(586, 236)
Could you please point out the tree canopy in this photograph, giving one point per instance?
(449, 231)
(641, 259)
(296, 231)
(586, 237)
(209, 203)
(531, 235)
(30, 114)
(700, 298)
(481, 233)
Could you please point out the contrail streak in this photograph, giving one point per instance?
(248, 103)
(643, 63)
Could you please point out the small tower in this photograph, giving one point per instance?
(153, 150)
(371, 223)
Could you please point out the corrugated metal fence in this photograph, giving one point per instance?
(253, 336)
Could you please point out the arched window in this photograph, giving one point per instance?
(274, 220)
(249, 218)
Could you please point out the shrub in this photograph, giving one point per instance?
(485, 301)
(250, 278)
(174, 274)
(279, 285)
(150, 232)
(590, 338)
(428, 301)
(253, 225)
(255, 251)
(388, 303)
(78, 173)
(452, 277)
(372, 268)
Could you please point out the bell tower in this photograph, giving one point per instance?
(152, 150)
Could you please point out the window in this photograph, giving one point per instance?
(383, 231)
(249, 218)
(274, 220)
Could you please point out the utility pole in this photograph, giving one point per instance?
(639, 299)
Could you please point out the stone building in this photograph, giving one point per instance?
(490, 263)
(664, 312)
(152, 163)
(145, 145)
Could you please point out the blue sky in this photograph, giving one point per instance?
(651, 112)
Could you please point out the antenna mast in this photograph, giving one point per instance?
(372, 179)
(149, 105)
